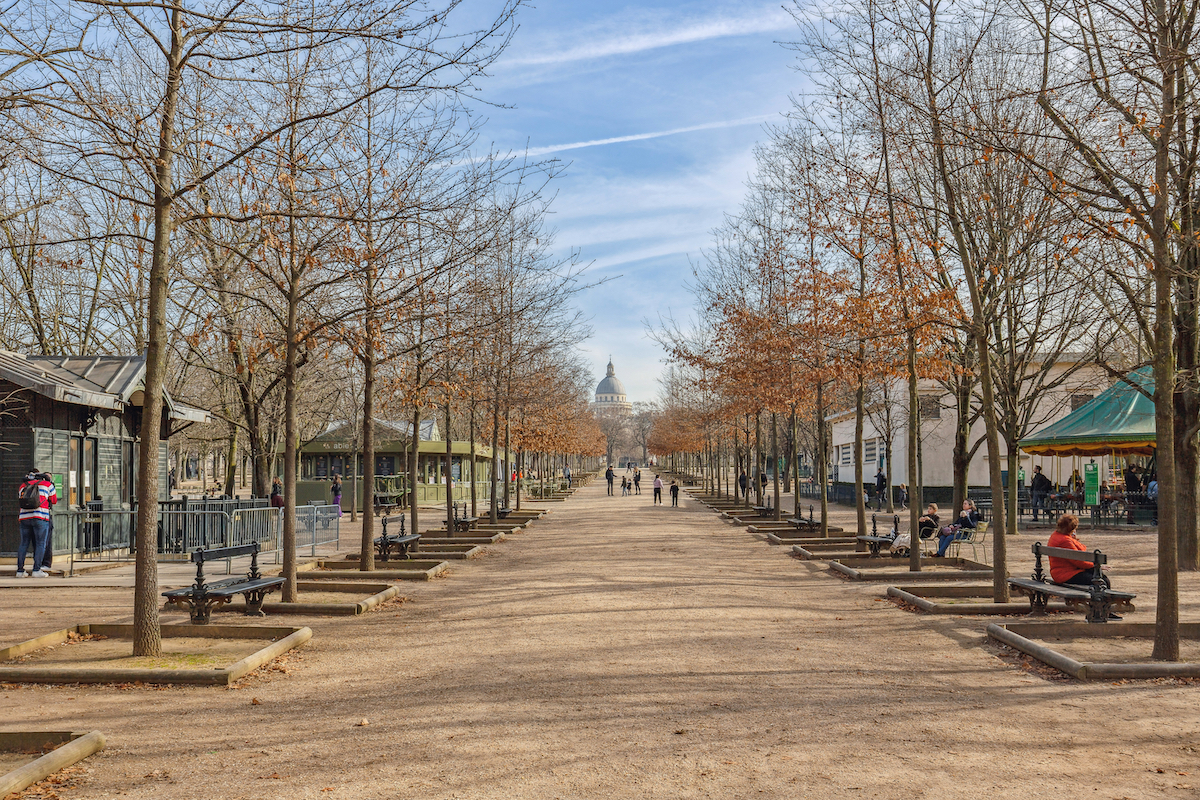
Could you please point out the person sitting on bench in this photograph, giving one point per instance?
(968, 518)
(1065, 570)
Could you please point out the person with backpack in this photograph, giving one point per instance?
(35, 496)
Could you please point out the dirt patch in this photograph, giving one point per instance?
(1116, 649)
(177, 653)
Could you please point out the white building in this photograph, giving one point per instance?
(610, 394)
(938, 421)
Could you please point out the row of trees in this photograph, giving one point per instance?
(970, 193)
(284, 205)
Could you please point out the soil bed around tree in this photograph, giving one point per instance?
(1103, 651)
(325, 598)
(191, 654)
(411, 570)
(961, 600)
(895, 569)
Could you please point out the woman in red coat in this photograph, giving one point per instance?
(1066, 570)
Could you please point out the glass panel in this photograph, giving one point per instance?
(322, 466)
(335, 466)
(89, 469)
(73, 474)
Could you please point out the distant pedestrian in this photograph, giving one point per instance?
(624, 486)
(743, 483)
(637, 481)
(567, 475)
(902, 496)
(1039, 487)
(277, 493)
(880, 489)
(674, 493)
(609, 476)
(335, 489)
(35, 496)
(658, 487)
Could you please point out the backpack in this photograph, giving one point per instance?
(31, 496)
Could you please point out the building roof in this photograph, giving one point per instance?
(1119, 420)
(610, 384)
(110, 382)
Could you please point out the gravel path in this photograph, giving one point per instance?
(618, 649)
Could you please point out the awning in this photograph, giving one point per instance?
(1118, 421)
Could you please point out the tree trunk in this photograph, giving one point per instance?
(449, 476)
(775, 458)
(231, 462)
(413, 465)
(366, 557)
(147, 636)
(860, 504)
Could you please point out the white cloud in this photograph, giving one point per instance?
(658, 34)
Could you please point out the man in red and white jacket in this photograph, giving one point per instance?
(35, 522)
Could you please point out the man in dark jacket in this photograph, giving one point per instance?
(608, 476)
(880, 489)
(1039, 487)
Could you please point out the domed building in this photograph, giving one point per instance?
(610, 394)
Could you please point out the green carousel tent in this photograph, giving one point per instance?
(1118, 421)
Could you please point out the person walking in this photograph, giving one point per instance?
(674, 494)
(903, 496)
(880, 489)
(743, 483)
(35, 496)
(609, 475)
(277, 493)
(658, 486)
(637, 481)
(567, 475)
(335, 489)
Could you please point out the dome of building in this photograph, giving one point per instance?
(611, 383)
(610, 394)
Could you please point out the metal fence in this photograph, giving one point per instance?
(317, 525)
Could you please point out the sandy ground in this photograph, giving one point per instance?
(617, 649)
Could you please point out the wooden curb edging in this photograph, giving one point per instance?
(907, 594)
(290, 637)
(77, 747)
(1011, 634)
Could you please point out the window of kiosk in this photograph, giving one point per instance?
(73, 476)
(88, 468)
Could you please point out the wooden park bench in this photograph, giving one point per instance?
(405, 544)
(764, 511)
(502, 513)
(1098, 598)
(463, 523)
(202, 597)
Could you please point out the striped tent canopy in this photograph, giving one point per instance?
(1118, 421)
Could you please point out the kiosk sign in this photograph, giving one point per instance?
(1091, 484)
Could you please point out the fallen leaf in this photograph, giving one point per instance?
(364, 722)
(254, 701)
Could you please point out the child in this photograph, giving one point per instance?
(674, 493)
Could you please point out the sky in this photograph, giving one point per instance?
(654, 108)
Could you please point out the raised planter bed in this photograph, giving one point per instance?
(417, 569)
(895, 569)
(961, 600)
(1111, 651)
(370, 595)
(27, 757)
(104, 657)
